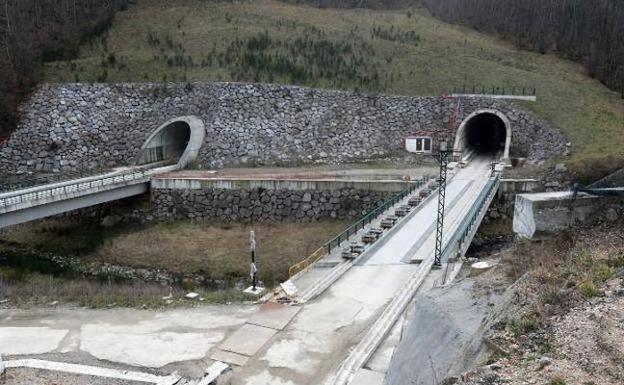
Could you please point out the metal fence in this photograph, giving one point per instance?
(169, 153)
(354, 228)
(303, 265)
(371, 216)
(495, 90)
(71, 187)
(23, 182)
(470, 219)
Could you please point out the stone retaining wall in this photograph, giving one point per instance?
(256, 205)
(71, 126)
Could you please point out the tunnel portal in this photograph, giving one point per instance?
(484, 132)
(177, 141)
(168, 144)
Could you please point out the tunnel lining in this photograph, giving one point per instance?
(462, 137)
(179, 137)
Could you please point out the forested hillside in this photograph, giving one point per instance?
(36, 31)
(589, 31)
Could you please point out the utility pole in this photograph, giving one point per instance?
(254, 270)
(444, 156)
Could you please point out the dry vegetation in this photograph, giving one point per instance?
(567, 326)
(37, 289)
(219, 251)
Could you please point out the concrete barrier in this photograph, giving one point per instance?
(543, 213)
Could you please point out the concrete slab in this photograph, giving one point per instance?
(273, 315)
(258, 292)
(299, 352)
(126, 336)
(229, 357)
(135, 347)
(368, 377)
(30, 340)
(248, 339)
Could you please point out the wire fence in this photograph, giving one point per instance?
(495, 90)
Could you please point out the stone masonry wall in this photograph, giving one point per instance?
(70, 126)
(227, 205)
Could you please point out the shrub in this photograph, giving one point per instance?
(558, 380)
(589, 289)
(604, 272)
(525, 324)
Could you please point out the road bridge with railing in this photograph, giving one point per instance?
(27, 204)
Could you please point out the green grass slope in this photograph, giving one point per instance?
(391, 51)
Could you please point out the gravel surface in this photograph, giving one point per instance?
(27, 376)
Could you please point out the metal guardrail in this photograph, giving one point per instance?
(354, 228)
(159, 154)
(78, 185)
(495, 90)
(469, 220)
(23, 183)
(371, 216)
(306, 263)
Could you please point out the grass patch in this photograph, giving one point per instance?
(558, 380)
(568, 267)
(218, 251)
(395, 51)
(526, 324)
(589, 289)
(37, 289)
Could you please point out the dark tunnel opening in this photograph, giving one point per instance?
(167, 145)
(485, 134)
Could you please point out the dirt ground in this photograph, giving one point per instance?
(565, 325)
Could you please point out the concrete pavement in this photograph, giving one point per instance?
(305, 351)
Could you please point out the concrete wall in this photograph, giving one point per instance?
(267, 200)
(543, 213)
(70, 126)
(502, 205)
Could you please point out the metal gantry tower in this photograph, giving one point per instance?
(444, 156)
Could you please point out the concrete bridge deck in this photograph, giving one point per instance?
(333, 335)
(55, 198)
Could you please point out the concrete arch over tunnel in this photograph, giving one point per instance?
(484, 131)
(179, 138)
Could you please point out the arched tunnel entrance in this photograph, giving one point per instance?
(484, 132)
(175, 142)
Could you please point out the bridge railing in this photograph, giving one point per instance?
(27, 195)
(470, 219)
(371, 216)
(21, 182)
(354, 228)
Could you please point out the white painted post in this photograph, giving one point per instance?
(2, 368)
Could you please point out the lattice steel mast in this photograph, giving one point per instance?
(444, 156)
